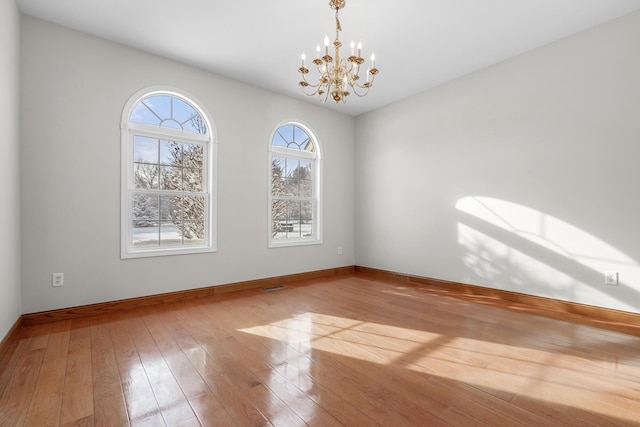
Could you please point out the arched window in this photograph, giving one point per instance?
(168, 155)
(294, 196)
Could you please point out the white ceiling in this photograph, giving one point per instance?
(418, 43)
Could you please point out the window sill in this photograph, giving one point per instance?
(290, 243)
(166, 252)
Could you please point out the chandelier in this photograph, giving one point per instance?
(338, 76)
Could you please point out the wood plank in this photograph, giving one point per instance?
(19, 392)
(9, 341)
(211, 412)
(9, 363)
(77, 396)
(111, 411)
(172, 402)
(138, 394)
(106, 377)
(47, 397)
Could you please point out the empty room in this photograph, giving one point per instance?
(320, 212)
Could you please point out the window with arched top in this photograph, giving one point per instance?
(168, 155)
(294, 186)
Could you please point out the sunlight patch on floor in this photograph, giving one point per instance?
(500, 369)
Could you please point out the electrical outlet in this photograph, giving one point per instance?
(57, 279)
(611, 278)
(339, 250)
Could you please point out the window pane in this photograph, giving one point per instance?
(293, 210)
(192, 179)
(291, 168)
(160, 105)
(195, 240)
(302, 139)
(193, 207)
(188, 117)
(170, 178)
(278, 140)
(278, 219)
(145, 176)
(306, 211)
(170, 153)
(277, 180)
(142, 114)
(169, 234)
(283, 136)
(145, 150)
(306, 188)
(278, 166)
(291, 219)
(186, 213)
(145, 235)
(278, 216)
(196, 124)
(306, 230)
(304, 170)
(182, 111)
(292, 187)
(192, 156)
(308, 146)
(306, 179)
(145, 207)
(279, 210)
(168, 207)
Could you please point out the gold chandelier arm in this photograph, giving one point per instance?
(356, 86)
(321, 88)
(315, 90)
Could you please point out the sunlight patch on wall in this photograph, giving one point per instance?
(510, 244)
(546, 231)
(493, 259)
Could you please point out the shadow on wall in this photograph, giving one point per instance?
(514, 247)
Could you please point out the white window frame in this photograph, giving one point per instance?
(316, 159)
(209, 143)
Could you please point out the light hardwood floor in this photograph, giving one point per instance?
(351, 350)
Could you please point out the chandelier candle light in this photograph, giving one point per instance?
(338, 76)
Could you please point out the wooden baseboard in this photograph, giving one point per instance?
(126, 304)
(8, 343)
(622, 321)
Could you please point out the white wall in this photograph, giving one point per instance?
(74, 89)
(9, 166)
(523, 176)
